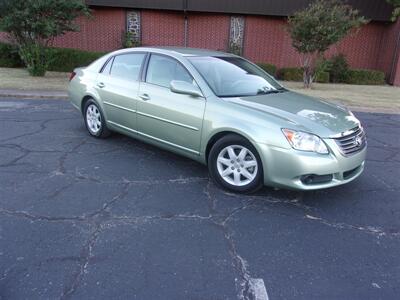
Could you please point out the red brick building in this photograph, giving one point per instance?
(255, 27)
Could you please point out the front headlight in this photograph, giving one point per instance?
(305, 141)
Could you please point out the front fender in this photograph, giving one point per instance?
(221, 116)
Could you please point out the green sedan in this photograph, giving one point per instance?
(223, 111)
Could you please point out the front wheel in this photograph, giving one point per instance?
(234, 163)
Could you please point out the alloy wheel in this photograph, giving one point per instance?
(237, 165)
(93, 119)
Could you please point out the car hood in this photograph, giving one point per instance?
(302, 112)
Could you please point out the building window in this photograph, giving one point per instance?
(133, 27)
(236, 35)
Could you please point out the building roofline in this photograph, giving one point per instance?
(371, 9)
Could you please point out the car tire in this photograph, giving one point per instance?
(94, 120)
(233, 170)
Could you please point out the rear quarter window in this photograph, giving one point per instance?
(107, 68)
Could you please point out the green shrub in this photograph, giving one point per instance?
(35, 57)
(366, 77)
(290, 74)
(339, 70)
(322, 70)
(296, 74)
(9, 57)
(59, 59)
(322, 77)
(235, 48)
(65, 60)
(128, 40)
(269, 68)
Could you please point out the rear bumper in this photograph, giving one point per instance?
(289, 168)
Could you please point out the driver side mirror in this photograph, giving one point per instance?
(185, 88)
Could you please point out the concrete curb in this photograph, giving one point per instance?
(34, 94)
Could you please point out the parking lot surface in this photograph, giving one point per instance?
(82, 218)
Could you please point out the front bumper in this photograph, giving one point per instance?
(287, 167)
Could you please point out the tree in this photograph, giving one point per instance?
(33, 25)
(316, 28)
(396, 9)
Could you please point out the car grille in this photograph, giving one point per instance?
(353, 142)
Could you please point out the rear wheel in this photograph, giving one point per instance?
(235, 164)
(94, 120)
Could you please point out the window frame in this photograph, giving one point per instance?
(250, 62)
(144, 75)
(109, 60)
(139, 77)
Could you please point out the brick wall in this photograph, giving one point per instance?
(362, 47)
(388, 56)
(388, 45)
(265, 39)
(396, 73)
(102, 32)
(208, 31)
(162, 28)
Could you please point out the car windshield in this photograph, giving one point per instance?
(234, 76)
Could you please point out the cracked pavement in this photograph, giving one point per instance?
(82, 218)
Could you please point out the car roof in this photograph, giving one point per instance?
(178, 50)
(193, 51)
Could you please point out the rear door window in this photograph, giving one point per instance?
(127, 66)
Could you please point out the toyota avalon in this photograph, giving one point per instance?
(222, 111)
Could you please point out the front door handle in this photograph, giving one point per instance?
(101, 85)
(145, 97)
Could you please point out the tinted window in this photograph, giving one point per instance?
(107, 68)
(234, 76)
(162, 70)
(127, 66)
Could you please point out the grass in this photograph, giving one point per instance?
(370, 98)
(19, 79)
(385, 99)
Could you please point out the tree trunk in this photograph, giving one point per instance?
(308, 64)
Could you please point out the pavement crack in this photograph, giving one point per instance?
(248, 288)
(166, 217)
(85, 257)
(33, 217)
(376, 231)
(61, 161)
(42, 127)
(244, 280)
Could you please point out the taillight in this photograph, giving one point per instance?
(72, 76)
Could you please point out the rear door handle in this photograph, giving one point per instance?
(145, 97)
(101, 85)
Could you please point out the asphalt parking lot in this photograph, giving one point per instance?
(82, 218)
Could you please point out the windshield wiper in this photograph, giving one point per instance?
(259, 92)
(266, 92)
